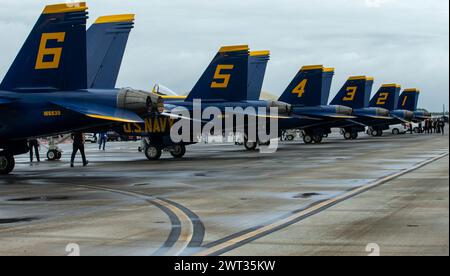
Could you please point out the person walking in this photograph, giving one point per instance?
(33, 144)
(442, 126)
(103, 138)
(78, 145)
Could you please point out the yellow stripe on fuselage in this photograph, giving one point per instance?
(110, 118)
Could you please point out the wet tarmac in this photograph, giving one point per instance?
(222, 200)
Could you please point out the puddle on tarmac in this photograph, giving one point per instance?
(40, 199)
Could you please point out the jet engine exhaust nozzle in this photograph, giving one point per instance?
(139, 101)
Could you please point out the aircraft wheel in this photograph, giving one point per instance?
(308, 139)
(396, 131)
(59, 155)
(355, 135)
(373, 133)
(7, 163)
(178, 151)
(250, 146)
(52, 155)
(317, 139)
(379, 133)
(348, 135)
(153, 152)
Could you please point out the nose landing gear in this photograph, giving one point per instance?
(7, 163)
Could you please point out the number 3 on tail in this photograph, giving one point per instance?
(221, 80)
(351, 94)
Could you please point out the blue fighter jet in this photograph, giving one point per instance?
(356, 94)
(46, 90)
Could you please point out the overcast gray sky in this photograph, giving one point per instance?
(402, 41)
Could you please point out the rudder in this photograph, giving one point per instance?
(387, 97)
(409, 99)
(106, 43)
(355, 93)
(225, 79)
(257, 66)
(54, 55)
(310, 87)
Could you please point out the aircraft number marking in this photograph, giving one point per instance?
(382, 98)
(351, 94)
(221, 80)
(300, 88)
(41, 64)
(52, 113)
(404, 101)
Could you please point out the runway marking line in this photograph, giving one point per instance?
(297, 217)
(187, 227)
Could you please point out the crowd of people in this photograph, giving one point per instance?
(433, 126)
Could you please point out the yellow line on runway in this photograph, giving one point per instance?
(266, 229)
(187, 227)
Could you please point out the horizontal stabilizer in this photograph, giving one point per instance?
(102, 112)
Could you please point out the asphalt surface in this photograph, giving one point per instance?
(336, 198)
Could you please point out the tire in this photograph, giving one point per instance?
(317, 139)
(7, 163)
(290, 138)
(178, 152)
(396, 131)
(250, 146)
(379, 133)
(153, 152)
(347, 135)
(355, 135)
(59, 156)
(416, 130)
(52, 155)
(307, 139)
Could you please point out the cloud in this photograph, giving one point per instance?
(403, 41)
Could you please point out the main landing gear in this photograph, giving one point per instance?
(154, 152)
(309, 139)
(7, 163)
(350, 135)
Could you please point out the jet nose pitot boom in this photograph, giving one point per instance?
(141, 102)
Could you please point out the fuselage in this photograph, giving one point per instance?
(40, 114)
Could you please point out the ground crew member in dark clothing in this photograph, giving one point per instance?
(33, 144)
(442, 126)
(78, 145)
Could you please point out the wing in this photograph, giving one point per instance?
(102, 112)
(4, 101)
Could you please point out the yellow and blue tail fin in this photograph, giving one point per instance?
(106, 42)
(409, 99)
(257, 66)
(225, 79)
(355, 93)
(54, 54)
(387, 97)
(310, 87)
